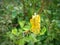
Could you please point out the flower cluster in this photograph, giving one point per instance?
(35, 24)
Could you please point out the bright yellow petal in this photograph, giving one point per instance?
(35, 22)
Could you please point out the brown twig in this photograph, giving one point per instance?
(42, 7)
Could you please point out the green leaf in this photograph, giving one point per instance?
(14, 14)
(21, 23)
(21, 41)
(31, 43)
(27, 27)
(43, 31)
(47, 11)
(14, 31)
(32, 38)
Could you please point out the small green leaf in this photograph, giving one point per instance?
(14, 14)
(14, 31)
(27, 27)
(43, 31)
(32, 38)
(21, 23)
(21, 41)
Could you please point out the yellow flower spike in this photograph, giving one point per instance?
(37, 18)
(35, 24)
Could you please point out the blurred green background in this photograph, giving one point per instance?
(15, 18)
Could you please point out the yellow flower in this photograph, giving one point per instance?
(35, 24)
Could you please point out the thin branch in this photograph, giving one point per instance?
(42, 7)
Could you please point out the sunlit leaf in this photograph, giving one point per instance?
(14, 31)
(43, 31)
(21, 23)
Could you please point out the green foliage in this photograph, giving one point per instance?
(15, 22)
(43, 31)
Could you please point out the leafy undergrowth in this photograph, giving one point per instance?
(20, 23)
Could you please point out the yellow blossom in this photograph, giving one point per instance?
(35, 24)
